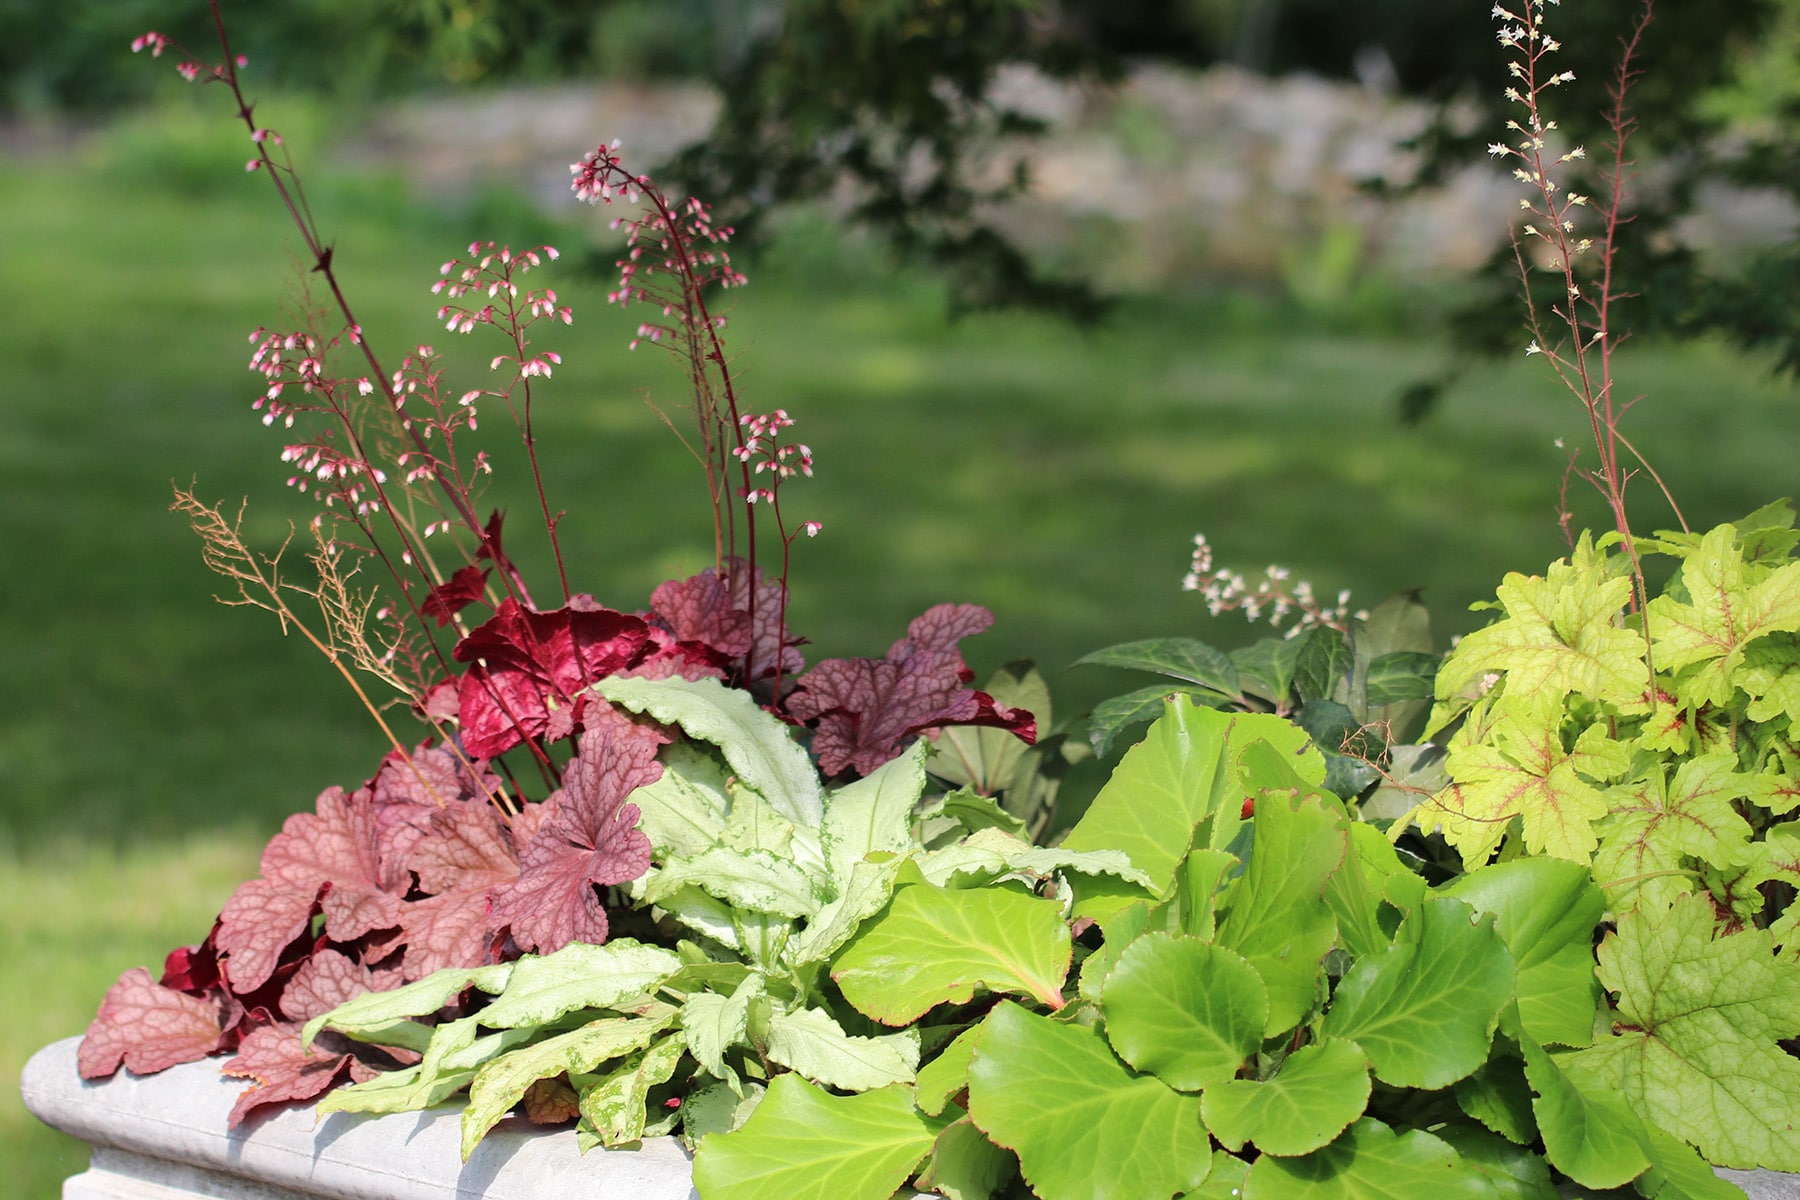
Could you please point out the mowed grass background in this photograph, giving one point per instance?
(151, 740)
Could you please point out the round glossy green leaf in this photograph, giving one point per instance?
(1424, 1011)
(1370, 1162)
(1185, 1010)
(1084, 1125)
(933, 946)
(1590, 1133)
(1315, 1095)
(801, 1141)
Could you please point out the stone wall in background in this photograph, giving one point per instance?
(1170, 177)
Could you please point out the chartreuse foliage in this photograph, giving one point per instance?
(1658, 747)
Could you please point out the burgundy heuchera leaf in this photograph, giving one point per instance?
(588, 837)
(148, 1027)
(528, 662)
(456, 593)
(867, 708)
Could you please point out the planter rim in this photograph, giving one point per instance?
(178, 1116)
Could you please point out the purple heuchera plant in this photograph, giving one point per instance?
(444, 858)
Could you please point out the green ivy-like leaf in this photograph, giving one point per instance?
(756, 744)
(1424, 1011)
(801, 1141)
(1082, 1123)
(1702, 1018)
(1115, 714)
(1370, 1162)
(1311, 1099)
(934, 946)
(1276, 915)
(1545, 910)
(1187, 1011)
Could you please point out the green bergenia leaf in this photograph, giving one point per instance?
(1425, 1010)
(1498, 1097)
(1545, 911)
(1314, 1096)
(1660, 827)
(756, 744)
(1275, 914)
(947, 1074)
(1082, 1123)
(964, 1165)
(1370, 1162)
(934, 946)
(1730, 604)
(1560, 635)
(1161, 790)
(801, 1141)
(1590, 1132)
(1185, 1010)
(1521, 769)
(1703, 1016)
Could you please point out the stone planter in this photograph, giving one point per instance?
(163, 1137)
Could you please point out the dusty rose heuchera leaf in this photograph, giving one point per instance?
(867, 708)
(323, 982)
(147, 1027)
(330, 857)
(466, 856)
(699, 609)
(527, 663)
(285, 1071)
(588, 837)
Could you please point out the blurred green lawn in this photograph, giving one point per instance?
(150, 740)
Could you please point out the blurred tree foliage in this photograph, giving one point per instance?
(895, 104)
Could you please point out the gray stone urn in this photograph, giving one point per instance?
(163, 1137)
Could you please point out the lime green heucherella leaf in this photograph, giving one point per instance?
(934, 945)
(1314, 1096)
(1704, 1015)
(1657, 824)
(1729, 606)
(500, 1084)
(1560, 635)
(1545, 910)
(1425, 1010)
(756, 744)
(1187, 1011)
(1521, 769)
(1276, 914)
(1082, 1123)
(801, 1141)
(1370, 1162)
